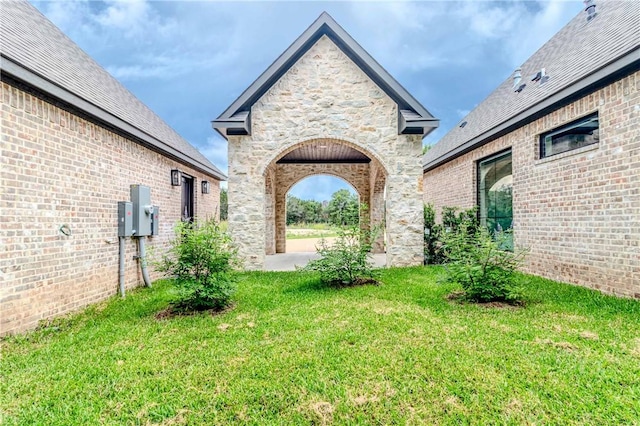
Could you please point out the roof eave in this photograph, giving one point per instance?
(17, 71)
(630, 60)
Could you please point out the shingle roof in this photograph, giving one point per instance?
(413, 117)
(33, 49)
(578, 54)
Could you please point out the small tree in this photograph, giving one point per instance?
(478, 262)
(348, 260)
(201, 260)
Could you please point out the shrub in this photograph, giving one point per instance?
(478, 263)
(432, 245)
(347, 261)
(452, 221)
(201, 260)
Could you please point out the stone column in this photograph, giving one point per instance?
(377, 212)
(270, 212)
(281, 219)
(246, 204)
(404, 215)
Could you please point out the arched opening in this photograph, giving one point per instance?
(322, 157)
(315, 207)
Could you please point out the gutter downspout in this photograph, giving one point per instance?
(142, 260)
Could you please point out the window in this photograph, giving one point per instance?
(495, 184)
(187, 199)
(572, 136)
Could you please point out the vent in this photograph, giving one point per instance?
(521, 88)
(517, 77)
(464, 123)
(541, 76)
(590, 8)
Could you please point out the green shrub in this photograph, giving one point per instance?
(452, 220)
(479, 264)
(432, 246)
(348, 260)
(201, 261)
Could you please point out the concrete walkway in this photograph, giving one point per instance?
(289, 261)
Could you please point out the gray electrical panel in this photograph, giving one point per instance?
(155, 222)
(125, 219)
(142, 210)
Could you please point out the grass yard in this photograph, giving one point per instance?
(311, 230)
(293, 352)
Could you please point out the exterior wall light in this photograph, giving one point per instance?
(205, 187)
(175, 177)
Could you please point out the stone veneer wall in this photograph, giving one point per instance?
(58, 168)
(325, 95)
(578, 212)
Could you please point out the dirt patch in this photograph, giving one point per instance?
(562, 345)
(589, 335)
(173, 311)
(322, 412)
(458, 297)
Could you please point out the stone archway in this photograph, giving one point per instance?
(322, 157)
(325, 92)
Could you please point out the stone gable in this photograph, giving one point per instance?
(325, 96)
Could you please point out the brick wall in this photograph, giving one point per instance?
(578, 212)
(58, 168)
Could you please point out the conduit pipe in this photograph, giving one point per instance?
(142, 259)
(121, 239)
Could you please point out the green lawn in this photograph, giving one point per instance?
(310, 230)
(293, 352)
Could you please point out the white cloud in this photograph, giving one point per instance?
(319, 188)
(216, 152)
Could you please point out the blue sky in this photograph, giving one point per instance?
(189, 60)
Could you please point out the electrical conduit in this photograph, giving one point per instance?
(142, 259)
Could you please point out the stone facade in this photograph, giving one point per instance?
(578, 212)
(61, 169)
(325, 96)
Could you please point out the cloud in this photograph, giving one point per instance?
(216, 152)
(319, 188)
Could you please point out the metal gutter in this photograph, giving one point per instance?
(17, 71)
(629, 61)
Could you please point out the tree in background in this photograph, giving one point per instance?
(224, 204)
(343, 208)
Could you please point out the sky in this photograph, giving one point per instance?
(189, 60)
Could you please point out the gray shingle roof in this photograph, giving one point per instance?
(413, 116)
(580, 52)
(35, 50)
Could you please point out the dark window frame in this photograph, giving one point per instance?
(187, 198)
(567, 130)
(491, 158)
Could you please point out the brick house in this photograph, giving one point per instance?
(554, 154)
(73, 141)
